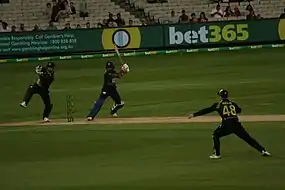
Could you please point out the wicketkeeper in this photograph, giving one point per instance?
(41, 87)
(109, 89)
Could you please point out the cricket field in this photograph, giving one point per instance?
(151, 145)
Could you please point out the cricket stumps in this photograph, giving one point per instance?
(69, 108)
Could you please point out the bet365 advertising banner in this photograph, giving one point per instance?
(160, 37)
(231, 32)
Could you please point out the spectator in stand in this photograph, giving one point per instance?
(22, 28)
(72, 9)
(13, 28)
(143, 22)
(282, 16)
(51, 26)
(120, 21)
(173, 18)
(67, 5)
(228, 12)
(100, 25)
(217, 12)
(54, 13)
(193, 18)
(1, 25)
(110, 19)
(67, 26)
(249, 7)
(237, 12)
(105, 23)
(64, 9)
(78, 26)
(88, 25)
(36, 28)
(83, 9)
(112, 24)
(259, 17)
(250, 15)
(202, 17)
(131, 22)
(183, 18)
(48, 11)
(5, 27)
(154, 22)
(61, 4)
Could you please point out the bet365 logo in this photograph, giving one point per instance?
(209, 34)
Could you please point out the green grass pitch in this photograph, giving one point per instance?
(145, 156)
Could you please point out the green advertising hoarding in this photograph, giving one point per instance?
(49, 42)
(80, 40)
(159, 37)
(231, 32)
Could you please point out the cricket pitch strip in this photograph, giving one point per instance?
(146, 120)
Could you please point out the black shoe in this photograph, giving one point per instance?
(265, 153)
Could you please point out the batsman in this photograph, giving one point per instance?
(109, 89)
(41, 86)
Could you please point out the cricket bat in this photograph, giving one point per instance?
(118, 53)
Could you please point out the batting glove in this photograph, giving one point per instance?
(126, 68)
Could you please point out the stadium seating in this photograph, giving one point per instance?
(30, 12)
(267, 8)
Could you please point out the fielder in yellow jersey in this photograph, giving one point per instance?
(228, 110)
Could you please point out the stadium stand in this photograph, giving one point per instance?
(162, 11)
(31, 12)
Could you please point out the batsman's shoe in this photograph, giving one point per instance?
(23, 104)
(265, 153)
(214, 156)
(114, 115)
(46, 120)
(89, 118)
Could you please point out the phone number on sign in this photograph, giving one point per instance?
(64, 41)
